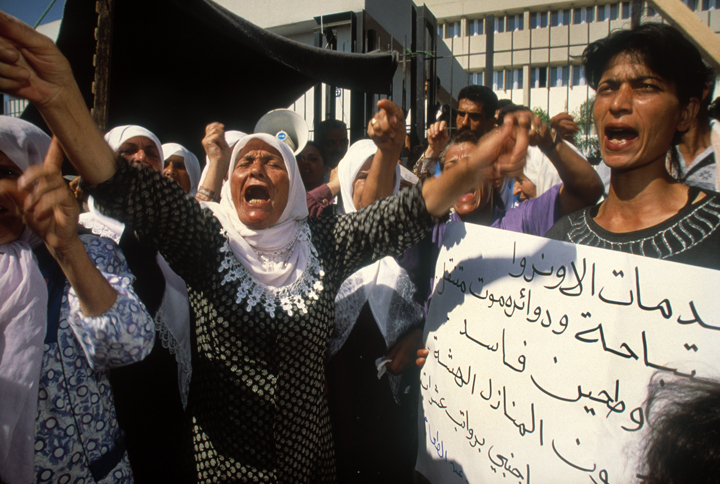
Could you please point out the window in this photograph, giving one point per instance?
(578, 76)
(498, 81)
(499, 24)
(476, 78)
(452, 29)
(514, 79)
(559, 76)
(607, 12)
(625, 10)
(538, 20)
(691, 4)
(515, 22)
(476, 26)
(583, 15)
(708, 4)
(559, 18)
(440, 31)
(538, 77)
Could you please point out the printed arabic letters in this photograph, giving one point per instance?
(577, 289)
(661, 367)
(523, 263)
(563, 399)
(696, 319)
(617, 303)
(584, 337)
(477, 295)
(521, 358)
(459, 283)
(563, 324)
(574, 466)
(663, 306)
(560, 274)
(638, 417)
(522, 428)
(503, 463)
(486, 346)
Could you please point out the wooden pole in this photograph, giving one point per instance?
(697, 32)
(101, 61)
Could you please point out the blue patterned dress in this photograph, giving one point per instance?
(77, 439)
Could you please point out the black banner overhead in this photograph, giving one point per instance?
(177, 65)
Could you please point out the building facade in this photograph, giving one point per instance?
(537, 46)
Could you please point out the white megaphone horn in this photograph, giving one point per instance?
(286, 125)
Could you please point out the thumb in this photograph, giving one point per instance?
(385, 104)
(54, 157)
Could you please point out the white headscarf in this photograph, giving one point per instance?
(172, 320)
(231, 137)
(384, 284)
(117, 136)
(23, 319)
(540, 170)
(278, 266)
(192, 165)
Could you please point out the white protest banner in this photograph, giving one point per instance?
(541, 353)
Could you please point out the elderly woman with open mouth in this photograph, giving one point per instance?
(649, 81)
(261, 276)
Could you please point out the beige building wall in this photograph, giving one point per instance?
(546, 55)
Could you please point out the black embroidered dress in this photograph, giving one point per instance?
(256, 400)
(692, 236)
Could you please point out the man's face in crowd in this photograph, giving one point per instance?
(335, 146)
(470, 116)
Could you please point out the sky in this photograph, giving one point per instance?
(30, 11)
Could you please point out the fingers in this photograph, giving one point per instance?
(214, 140)
(214, 127)
(54, 157)
(37, 181)
(387, 128)
(422, 355)
(394, 113)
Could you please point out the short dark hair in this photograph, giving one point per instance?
(504, 102)
(328, 125)
(316, 145)
(659, 46)
(683, 445)
(509, 108)
(480, 95)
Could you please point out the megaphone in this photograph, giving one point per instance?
(286, 125)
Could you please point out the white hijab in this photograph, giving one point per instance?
(384, 284)
(277, 266)
(172, 320)
(540, 170)
(192, 165)
(23, 319)
(117, 136)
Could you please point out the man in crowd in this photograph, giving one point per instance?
(332, 137)
(476, 112)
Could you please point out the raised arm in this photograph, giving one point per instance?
(51, 211)
(32, 67)
(218, 155)
(387, 130)
(500, 152)
(107, 317)
(581, 184)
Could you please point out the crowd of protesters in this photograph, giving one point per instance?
(261, 320)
